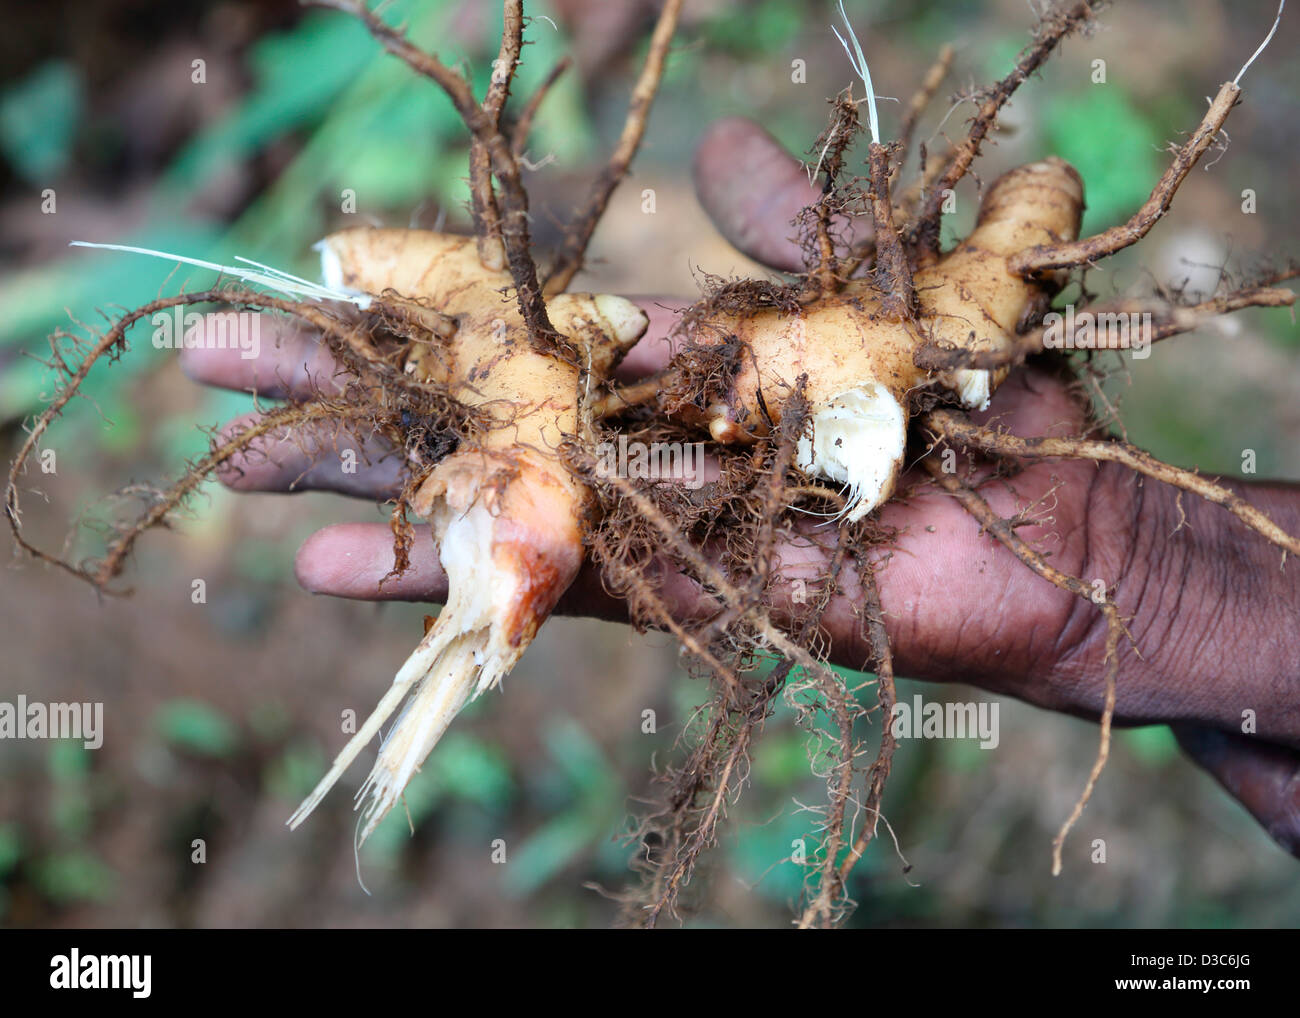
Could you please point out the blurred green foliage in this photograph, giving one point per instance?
(61, 864)
(752, 31)
(196, 727)
(1113, 146)
(465, 770)
(11, 847)
(581, 793)
(295, 771)
(76, 875)
(38, 121)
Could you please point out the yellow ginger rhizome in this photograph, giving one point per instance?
(506, 512)
(856, 355)
(812, 392)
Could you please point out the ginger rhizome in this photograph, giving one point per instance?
(858, 358)
(506, 511)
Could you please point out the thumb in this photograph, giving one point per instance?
(753, 189)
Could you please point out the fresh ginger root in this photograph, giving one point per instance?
(861, 375)
(506, 512)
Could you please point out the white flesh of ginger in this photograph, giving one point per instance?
(974, 388)
(857, 440)
(463, 654)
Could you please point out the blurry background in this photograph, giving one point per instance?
(219, 717)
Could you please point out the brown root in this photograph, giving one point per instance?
(1047, 257)
(1005, 532)
(1062, 20)
(361, 404)
(1167, 319)
(818, 221)
(958, 428)
(574, 250)
(893, 270)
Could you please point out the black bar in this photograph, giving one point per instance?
(489, 968)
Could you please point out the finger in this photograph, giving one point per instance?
(322, 457)
(927, 587)
(1263, 777)
(354, 560)
(752, 189)
(287, 362)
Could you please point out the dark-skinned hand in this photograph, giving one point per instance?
(1214, 618)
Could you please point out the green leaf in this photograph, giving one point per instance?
(297, 75)
(1282, 327)
(1153, 745)
(69, 760)
(74, 876)
(781, 760)
(758, 851)
(418, 802)
(1114, 148)
(550, 849)
(580, 759)
(196, 727)
(77, 288)
(754, 30)
(964, 755)
(1001, 56)
(473, 770)
(38, 121)
(294, 773)
(462, 767)
(11, 847)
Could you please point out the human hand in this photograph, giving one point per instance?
(958, 607)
